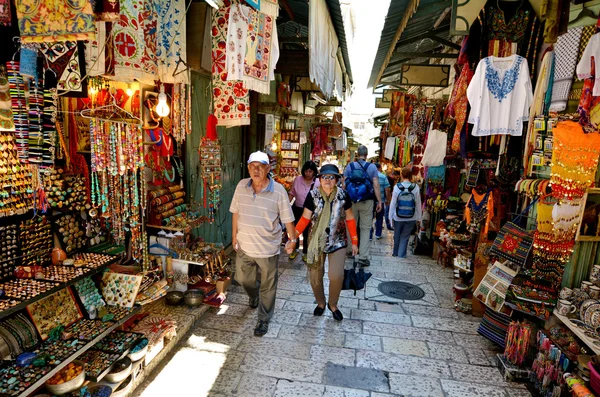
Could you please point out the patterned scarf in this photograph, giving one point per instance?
(268, 7)
(319, 236)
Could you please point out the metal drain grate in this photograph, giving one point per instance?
(401, 290)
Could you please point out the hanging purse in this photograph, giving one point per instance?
(473, 175)
(514, 243)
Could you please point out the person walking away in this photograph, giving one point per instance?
(328, 209)
(405, 211)
(385, 187)
(392, 179)
(361, 181)
(258, 208)
(300, 188)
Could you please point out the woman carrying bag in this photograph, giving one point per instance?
(302, 185)
(328, 210)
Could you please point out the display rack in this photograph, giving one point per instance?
(40, 382)
(58, 287)
(589, 342)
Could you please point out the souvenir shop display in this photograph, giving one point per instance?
(8, 251)
(58, 309)
(118, 342)
(89, 296)
(87, 330)
(25, 289)
(210, 160)
(35, 237)
(98, 363)
(70, 233)
(120, 289)
(64, 190)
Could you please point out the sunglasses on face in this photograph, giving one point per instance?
(328, 177)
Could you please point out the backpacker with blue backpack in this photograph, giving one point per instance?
(406, 204)
(359, 186)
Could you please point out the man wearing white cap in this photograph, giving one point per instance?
(259, 206)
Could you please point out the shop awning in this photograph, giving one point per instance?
(415, 32)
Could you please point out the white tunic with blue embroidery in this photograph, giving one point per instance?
(500, 94)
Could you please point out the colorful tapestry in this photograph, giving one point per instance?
(262, 52)
(397, 113)
(59, 20)
(230, 98)
(67, 61)
(171, 41)
(135, 42)
(5, 19)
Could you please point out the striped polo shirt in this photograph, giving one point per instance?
(260, 216)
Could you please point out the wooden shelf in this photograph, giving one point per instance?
(589, 342)
(89, 345)
(57, 288)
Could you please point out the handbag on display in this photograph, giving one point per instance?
(514, 243)
(355, 279)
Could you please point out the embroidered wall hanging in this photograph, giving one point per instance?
(171, 41)
(231, 99)
(258, 61)
(51, 21)
(94, 57)
(135, 42)
(67, 60)
(57, 309)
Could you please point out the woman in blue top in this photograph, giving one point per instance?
(408, 215)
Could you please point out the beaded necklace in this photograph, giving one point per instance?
(479, 211)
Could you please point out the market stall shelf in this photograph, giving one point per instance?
(593, 344)
(39, 381)
(53, 288)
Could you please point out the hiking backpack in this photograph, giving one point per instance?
(358, 185)
(406, 205)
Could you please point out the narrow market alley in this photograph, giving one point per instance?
(383, 347)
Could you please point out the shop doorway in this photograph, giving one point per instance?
(231, 141)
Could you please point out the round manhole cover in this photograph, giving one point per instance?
(401, 290)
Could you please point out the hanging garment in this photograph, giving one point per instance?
(480, 207)
(435, 150)
(460, 103)
(584, 67)
(322, 46)
(135, 42)
(94, 56)
(5, 18)
(52, 21)
(390, 147)
(564, 68)
(397, 113)
(500, 94)
(268, 7)
(67, 60)
(171, 41)
(231, 98)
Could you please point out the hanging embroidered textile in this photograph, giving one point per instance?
(269, 7)
(107, 10)
(459, 104)
(435, 150)
(252, 48)
(67, 60)
(231, 100)
(397, 113)
(566, 60)
(171, 41)
(59, 20)
(94, 56)
(5, 19)
(584, 70)
(135, 42)
(480, 207)
(500, 94)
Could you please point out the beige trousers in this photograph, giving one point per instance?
(363, 212)
(336, 277)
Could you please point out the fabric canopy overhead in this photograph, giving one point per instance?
(324, 69)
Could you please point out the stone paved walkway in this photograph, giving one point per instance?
(383, 347)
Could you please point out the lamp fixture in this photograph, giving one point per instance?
(274, 146)
(129, 91)
(162, 109)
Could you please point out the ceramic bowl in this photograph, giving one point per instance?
(584, 306)
(120, 370)
(69, 386)
(124, 389)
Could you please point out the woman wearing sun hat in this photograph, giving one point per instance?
(328, 210)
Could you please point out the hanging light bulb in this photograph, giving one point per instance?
(129, 91)
(93, 91)
(274, 146)
(162, 109)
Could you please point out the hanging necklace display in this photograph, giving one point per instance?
(210, 162)
(180, 170)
